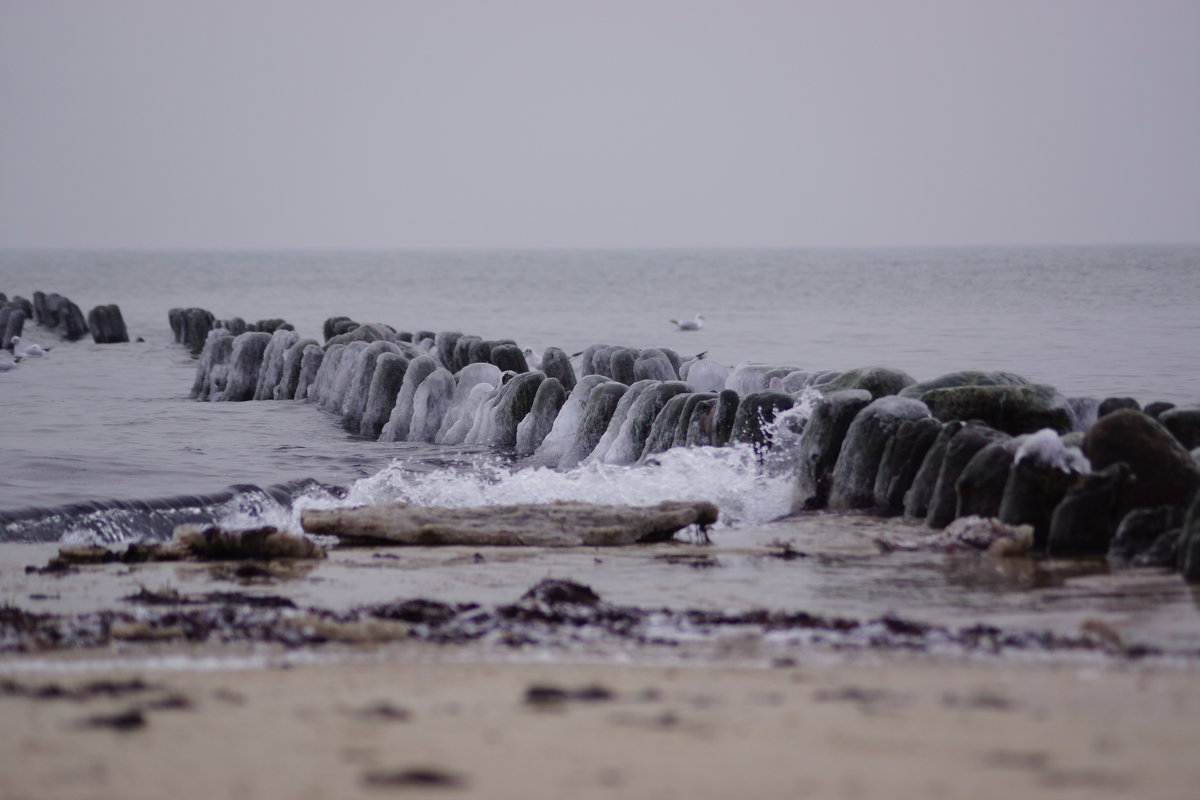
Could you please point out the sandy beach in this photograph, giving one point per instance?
(897, 728)
(181, 683)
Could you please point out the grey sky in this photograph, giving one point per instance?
(247, 123)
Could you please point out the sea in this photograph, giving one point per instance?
(91, 423)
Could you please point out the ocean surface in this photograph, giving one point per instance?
(90, 422)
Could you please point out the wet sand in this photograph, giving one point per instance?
(870, 688)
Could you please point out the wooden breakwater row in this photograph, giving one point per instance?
(59, 314)
(1089, 476)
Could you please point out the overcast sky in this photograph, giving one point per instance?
(522, 123)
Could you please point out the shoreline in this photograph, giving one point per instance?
(532, 696)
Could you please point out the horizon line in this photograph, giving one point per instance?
(576, 248)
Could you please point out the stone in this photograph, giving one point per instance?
(556, 364)
(107, 325)
(396, 429)
(1140, 529)
(653, 364)
(371, 332)
(566, 424)
(466, 379)
(980, 486)
(1156, 409)
(310, 364)
(481, 351)
(244, 364)
(820, 444)
(1011, 409)
(322, 382)
(662, 431)
(964, 378)
(631, 438)
(1086, 519)
(943, 504)
(920, 494)
(1189, 544)
(509, 357)
(271, 372)
(516, 400)
(540, 420)
(430, 403)
(587, 363)
(339, 386)
(1084, 412)
(852, 484)
(725, 416)
(621, 365)
(443, 344)
(1034, 488)
(755, 414)
(1111, 404)
(386, 380)
(566, 524)
(902, 457)
(1164, 471)
(293, 365)
(462, 351)
(702, 423)
(705, 375)
(1184, 425)
(358, 393)
(216, 351)
(636, 389)
(879, 381)
(601, 403)
(679, 437)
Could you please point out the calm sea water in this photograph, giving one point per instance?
(92, 421)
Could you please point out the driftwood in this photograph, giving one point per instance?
(541, 525)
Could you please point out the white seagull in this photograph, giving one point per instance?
(689, 324)
(29, 351)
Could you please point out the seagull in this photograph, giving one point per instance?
(5, 366)
(29, 351)
(689, 324)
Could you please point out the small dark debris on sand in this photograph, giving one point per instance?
(545, 695)
(864, 696)
(414, 778)
(695, 561)
(383, 711)
(170, 597)
(86, 691)
(123, 722)
(981, 700)
(785, 551)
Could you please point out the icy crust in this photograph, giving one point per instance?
(1046, 447)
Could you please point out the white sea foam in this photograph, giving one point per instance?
(727, 476)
